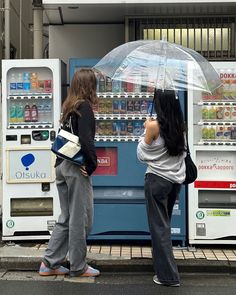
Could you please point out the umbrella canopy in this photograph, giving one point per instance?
(161, 65)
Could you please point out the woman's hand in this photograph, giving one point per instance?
(83, 170)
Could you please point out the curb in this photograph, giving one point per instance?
(129, 265)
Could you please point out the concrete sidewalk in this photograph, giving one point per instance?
(123, 258)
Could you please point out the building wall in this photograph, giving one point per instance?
(84, 41)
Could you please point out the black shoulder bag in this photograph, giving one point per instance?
(191, 169)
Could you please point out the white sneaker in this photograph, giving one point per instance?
(155, 280)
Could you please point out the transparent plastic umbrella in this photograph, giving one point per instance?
(159, 64)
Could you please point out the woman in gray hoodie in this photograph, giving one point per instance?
(163, 148)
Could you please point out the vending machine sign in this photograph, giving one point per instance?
(212, 164)
(107, 161)
(30, 166)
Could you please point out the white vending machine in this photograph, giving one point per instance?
(31, 104)
(212, 137)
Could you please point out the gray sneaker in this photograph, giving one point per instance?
(156, 280)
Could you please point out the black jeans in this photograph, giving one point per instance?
(160, 196)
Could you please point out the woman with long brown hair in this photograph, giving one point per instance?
(74, 184)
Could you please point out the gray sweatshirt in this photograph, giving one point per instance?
(159, 162)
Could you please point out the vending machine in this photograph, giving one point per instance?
(212, 198)
(120, 209)
(31, 103)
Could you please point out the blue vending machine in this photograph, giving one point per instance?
(119, 203)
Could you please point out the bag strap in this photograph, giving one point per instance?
(70, 125)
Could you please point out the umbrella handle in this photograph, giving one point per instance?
(152, 107)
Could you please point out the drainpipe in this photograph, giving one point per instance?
(38, 29)
(20, 30)
(7, 28)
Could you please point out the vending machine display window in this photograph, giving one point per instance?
(29, 98)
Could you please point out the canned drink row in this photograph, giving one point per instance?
(223, 133)
(119, 128)
(123, 106)
(219, 113)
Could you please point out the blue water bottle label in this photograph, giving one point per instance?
(13, 86)
(19, 86)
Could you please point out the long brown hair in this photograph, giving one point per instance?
(83, 87)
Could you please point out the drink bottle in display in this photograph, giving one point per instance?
(19, 84)
(143, 107)
(130, 128)
(41, 86)
(48, 85)
(130, 106)
(26, 82)
(19, 113)
(47, 110)
(27, 113)
(12, 84)
(123, 106)
(129, 87)
(12, 113)
(34, 113)
(116, 86)
(34, 82)
(108, 84)
(102, 84)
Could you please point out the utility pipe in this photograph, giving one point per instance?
(20, 29)
(7, 28)
(38, 32)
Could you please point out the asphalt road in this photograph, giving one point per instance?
(26, 283)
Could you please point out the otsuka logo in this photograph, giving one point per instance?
(27, 160)
(104, 161)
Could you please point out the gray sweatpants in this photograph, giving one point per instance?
(160, 197)
(75, 221)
